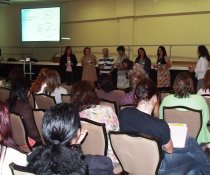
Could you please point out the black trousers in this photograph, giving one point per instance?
(69, 77)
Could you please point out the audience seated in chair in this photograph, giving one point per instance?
(205, 90)
(85, 97)
(15, 73)
(106, 90)
(9, 152)
(188, 160)
(62, 155)
(53, 86)
(38, 84)
(18, 103)
(183, 96)
(137, 75)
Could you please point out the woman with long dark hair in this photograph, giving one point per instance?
(18, 103)
(9, 152)
(68, 63)
(62, 155)
(143, 60)
(163, 73)
(201, 66)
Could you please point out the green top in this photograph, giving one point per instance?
(195, 102)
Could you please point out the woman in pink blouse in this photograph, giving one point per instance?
(85, 97)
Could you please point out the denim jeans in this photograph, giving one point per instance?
(190, 160)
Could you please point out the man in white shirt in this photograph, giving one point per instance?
(106, 63)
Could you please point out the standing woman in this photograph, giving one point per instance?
(88, 62)
(143, 60)
(201, 66)
(68, 63)
(163, 72)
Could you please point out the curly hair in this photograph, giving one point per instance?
(84, 95)
(60, 126)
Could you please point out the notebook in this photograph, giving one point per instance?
(178, 134)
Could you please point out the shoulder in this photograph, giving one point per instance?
(62, 89)
(98, 164)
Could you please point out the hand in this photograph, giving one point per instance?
(191, 68)
(155, 66)
(83, 133)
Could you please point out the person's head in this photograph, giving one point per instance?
(68, 50)
(5, 129)
(161, 52)
(206, 81)
(135, 78)
(105, 52)
(15, 73)
(183, 85)
(121, 50)
(142, 53)
(40, 79)
(53, 81)
(105, 83)
(127, 64)
(87, 51)
(20, 91)
(203, 52)
(84, 95)
(146, 92)
(60, 127)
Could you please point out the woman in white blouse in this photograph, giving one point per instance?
(201, 66)
(52, 86)
(9, 152)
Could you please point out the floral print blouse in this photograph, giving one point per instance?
(103, 114)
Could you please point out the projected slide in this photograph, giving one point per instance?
(40, 24)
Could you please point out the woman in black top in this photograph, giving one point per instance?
(62, 155)
(68, 63)
(163, 72)
(143, 60)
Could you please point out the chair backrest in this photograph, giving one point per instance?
(38, 116)
(44, 101)
(67, 87)
(163, 95)
(121, 107)
(96, 141)
(189, 116)
(4, 94)
(19, 170)
(19, 132)
(66, 98)
(31, 101)
(112, 104)
(137, 154)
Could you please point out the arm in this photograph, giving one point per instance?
(168, 147)
(74, 60)
(94, 60)
(201, 66)
(83, 61)
(168, 63)
(148, 65)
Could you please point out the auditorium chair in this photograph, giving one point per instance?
(186, 115)
(19, 170)
(66, 98)
(137, 154)
(44, 101)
